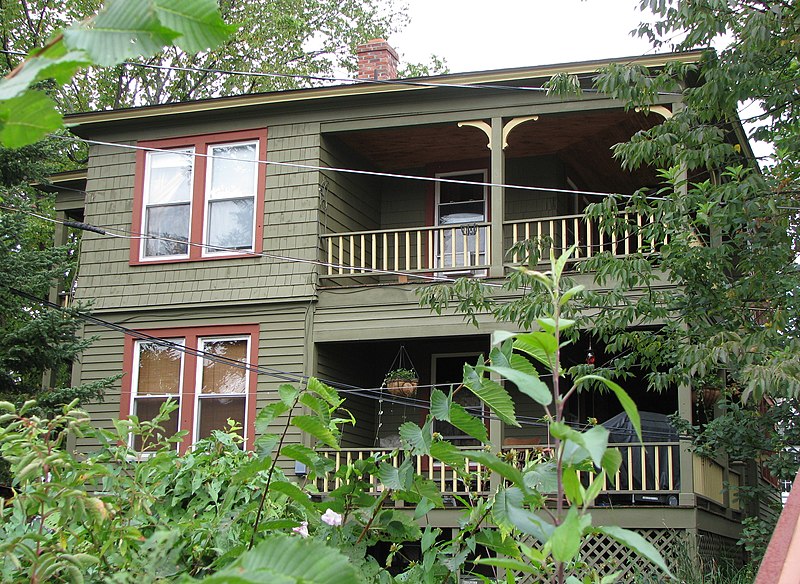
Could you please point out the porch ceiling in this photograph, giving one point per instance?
(582, 140)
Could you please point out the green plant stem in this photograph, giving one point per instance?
(270, 473)
(375, 511)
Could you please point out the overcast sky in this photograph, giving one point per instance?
(475, 35)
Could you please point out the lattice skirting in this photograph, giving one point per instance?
(718, 550)
(603, 555)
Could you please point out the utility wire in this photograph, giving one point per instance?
(368, 393)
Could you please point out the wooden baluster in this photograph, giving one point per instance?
(408, 251)
(669, 468)
(589, 247)
(453, 247)
(363, 263)
(431, 234)
(627, 236)
(419, 249)
(576, 236)
(352, 253)
(374, 238)
(515, 240)
(630, 469)
(564, 246)
(396, 251)
(341, 255)
(330, 256)
(487, 244)
(643, 468)
(385, 265)
(657, 466)
(639, 238)
(465, 246)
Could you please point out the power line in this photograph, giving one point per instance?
(411, 82)
(368, 393)
(373, 173)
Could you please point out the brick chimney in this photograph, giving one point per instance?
(377, 60)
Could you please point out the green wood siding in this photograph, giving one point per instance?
(281, 347)
(290, 229)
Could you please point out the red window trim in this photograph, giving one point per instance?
(191, 336)
(200, 142)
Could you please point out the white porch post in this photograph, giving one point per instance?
(498, 177)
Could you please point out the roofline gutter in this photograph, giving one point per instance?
(356, 89)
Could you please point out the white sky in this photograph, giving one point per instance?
(475, 35)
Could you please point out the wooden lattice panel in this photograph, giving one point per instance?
(604, 555)
(718, 550)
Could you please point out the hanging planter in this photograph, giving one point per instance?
(402, 382)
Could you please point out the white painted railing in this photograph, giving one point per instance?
(446, 477)
(652, 468)
(452, 248)
(568, 230)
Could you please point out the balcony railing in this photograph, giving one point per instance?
(650, 469)
(590, 240)
(465, 248)
(451, 248)
(447, 478)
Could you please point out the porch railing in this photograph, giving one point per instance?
(447, 478)
(567, 230)
(650, 469)
(452, 248)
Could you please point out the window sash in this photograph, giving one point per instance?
(220, 198)
(154, 197)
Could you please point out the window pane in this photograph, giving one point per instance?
(147, 409)
(233, 170)
(171, 221)
(219, 377)
(230, 223)
(169, 177)
(159, 370)
(214, 414)
(461, 213)
(454, 193)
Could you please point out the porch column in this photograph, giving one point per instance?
(498, 177)
(687, 496)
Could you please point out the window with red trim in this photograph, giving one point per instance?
(206, 190)
(209, 389)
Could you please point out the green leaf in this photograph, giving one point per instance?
(566, 539)
(27, 118)
(314, 426)
(622, 396)
(198, 21)
(509, 510)
(309, 457)
(508, 564)
(542, 477)
(447, 453)
(324, 391)
(528, 384)
(492, 394)
(423, 507)
(594, 440)
(39, 68)
(594, 489)
(466, 422)
(440, 405)
(637, 543)
(418, 439)
(121, 30)
(288, 393)
(396, 478)
(549, 324)
(575, 290)
(612, 460)
(539, 345)
(317, 406)
(268, 414)
(572, 486)
(293, 492)
(284, 559)
(492, 462)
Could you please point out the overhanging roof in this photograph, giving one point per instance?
(371, 88)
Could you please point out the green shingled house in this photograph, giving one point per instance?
(268, 248)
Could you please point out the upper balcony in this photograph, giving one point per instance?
(453, 198)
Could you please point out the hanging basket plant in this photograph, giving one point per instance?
(402, 382)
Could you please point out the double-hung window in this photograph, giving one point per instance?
(199, 197)
(205, 371)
